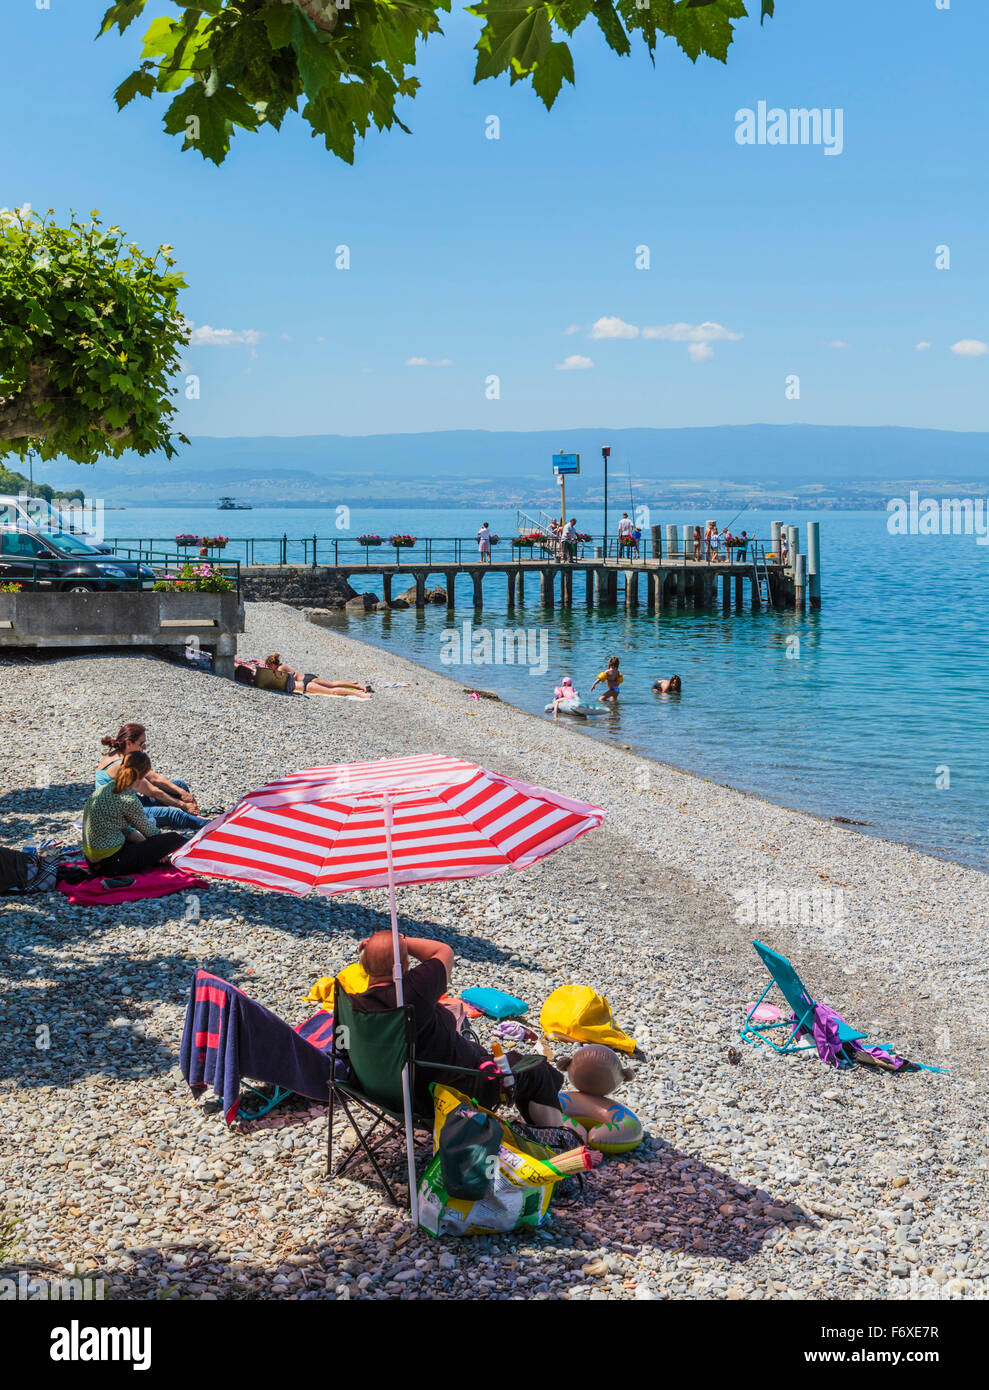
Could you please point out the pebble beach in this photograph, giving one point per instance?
(767, 1178)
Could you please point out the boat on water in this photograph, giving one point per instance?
(227, 504)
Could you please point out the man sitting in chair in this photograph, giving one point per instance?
(438, 1039)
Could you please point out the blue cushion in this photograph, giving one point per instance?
(494, 1002)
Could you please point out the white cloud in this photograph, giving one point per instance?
(700, 352)
(970, 347)
(286, 337)
(837, 343)
(574, 363)
(321, 340)
(922, 347)
(573, 328)
(224, 337)
(425, 362)
(692, 333)
(613, 327)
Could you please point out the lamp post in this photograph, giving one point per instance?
(605, 455)
(31, 455)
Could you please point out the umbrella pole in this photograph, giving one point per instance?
(400, 1000)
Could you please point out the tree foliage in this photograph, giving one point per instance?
(89, 336)
(233, 65)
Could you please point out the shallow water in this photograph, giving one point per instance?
(885, 698)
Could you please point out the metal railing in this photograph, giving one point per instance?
(428, 552)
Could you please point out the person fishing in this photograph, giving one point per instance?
(612, 678)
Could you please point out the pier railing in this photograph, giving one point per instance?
(429, 552)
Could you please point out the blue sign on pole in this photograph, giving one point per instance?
(566, 463)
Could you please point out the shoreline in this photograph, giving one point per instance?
(775, 1178)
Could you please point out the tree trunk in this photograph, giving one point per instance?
(19, 417)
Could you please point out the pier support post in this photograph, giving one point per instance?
(589, 582)
(793, 541)
(738, 592)
(566, 587)
(546, 587)
(776, 532)
(451, 588)
(726, 593)
(814, 563)
(420, 578)
(478, 590)
(657, 542)
(386, 579)
(631, 589)
(800, 583)
(671, 541)
(510, 586)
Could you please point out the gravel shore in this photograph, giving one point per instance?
(772, 1178)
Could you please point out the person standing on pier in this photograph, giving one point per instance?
(484, 542)
(625, 529)
(697, 542)
(710, 532)
(569, 538)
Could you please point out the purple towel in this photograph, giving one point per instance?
(227, 1035)
(830, 1047)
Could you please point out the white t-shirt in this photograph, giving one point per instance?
(484, 536)
(625, 527)
(569, 531)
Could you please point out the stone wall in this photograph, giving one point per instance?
(303, 587)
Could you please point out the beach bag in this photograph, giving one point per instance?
(518, 1183)
(579, 1014)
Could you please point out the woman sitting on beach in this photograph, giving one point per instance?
(170, 804)
(118, 837)
(612, 677)
(667, 687)
(273, 675)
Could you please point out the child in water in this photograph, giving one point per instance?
(564, 692)
(612, 678)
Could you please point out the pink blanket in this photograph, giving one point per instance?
(152, 883)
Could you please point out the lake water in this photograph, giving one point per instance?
(880, 717)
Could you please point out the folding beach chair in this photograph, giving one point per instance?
(378, 1046)
(791, 987)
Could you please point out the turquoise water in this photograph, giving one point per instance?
(886, 697)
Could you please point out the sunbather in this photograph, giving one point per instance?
(437, 1039)
(170, 804)
(273, 675)
(117, 836)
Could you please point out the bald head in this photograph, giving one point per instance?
(379, 958)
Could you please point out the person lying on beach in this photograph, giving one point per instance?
(612, 678)
(667, 687)
(117, 835)
(273, 675)
(564, 692)
(170, 804)
(537, 1088)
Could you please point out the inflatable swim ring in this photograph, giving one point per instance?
(610, 1127)
(577, 707)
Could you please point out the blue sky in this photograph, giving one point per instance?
(480, 253)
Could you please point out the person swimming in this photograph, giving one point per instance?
(667, 687)
(612, 678)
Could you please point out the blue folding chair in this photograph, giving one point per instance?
(789, 984)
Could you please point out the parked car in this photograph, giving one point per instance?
(54, 560)
(35, 514)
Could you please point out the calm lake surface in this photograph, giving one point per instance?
(881, 717)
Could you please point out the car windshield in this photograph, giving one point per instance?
(70, 545)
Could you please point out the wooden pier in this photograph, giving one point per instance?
(672, 580)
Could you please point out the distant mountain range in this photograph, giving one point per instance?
(827, 464)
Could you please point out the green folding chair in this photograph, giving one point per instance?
(378, 1046)
(789, 984)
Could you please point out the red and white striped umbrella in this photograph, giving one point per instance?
(370, 825)
(325, 829)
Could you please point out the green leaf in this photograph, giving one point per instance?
(512, 38)
(278, 22)
(139, 83)
(315, 58)
(122, 15)
(768, 9)
(551, 72)
(207, 122)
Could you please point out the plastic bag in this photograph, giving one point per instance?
(519, 1189)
